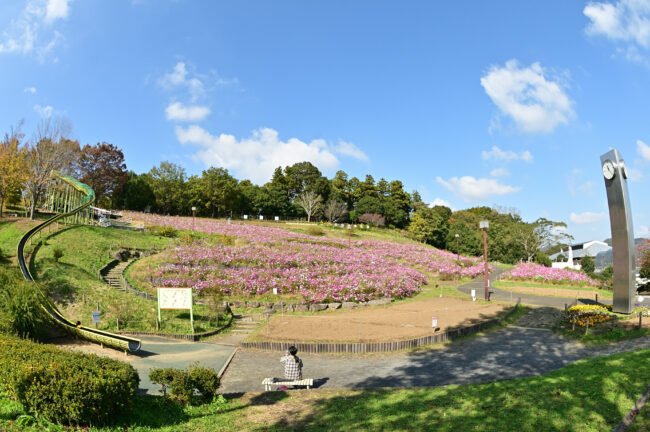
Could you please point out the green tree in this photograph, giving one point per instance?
(220, 191)
(167, 182)
(588, 265)
(136, 195)
(369, 204)
(542, 259)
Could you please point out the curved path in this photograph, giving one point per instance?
(500, 354)
(512, 352)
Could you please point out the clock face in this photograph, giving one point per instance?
(608, 169)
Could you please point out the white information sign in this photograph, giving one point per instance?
(175, 298)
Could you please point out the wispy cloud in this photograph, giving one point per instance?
(499, 172)
(33, 32)
(472, 189)
(348, 149)
(506, 155)
(643, 150)
(44, 111)
(534, 100)
(176, 111)
(626, 22)
(31, 90)
(586, 218)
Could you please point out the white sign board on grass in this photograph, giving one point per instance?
(175, 298)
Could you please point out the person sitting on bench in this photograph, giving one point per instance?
(292, 364)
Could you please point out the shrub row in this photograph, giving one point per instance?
(63, 386)
(183, 384)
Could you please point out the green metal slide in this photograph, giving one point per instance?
(98, 336)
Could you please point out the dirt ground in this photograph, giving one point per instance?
(374, 324)
(553, 291)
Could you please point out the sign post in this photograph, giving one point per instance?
(175, 298)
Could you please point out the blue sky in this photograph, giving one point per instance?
(505, 103)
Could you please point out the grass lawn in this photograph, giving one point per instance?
(549, 289)
(74, 284)
(590, 395)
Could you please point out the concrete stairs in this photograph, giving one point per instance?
(114, 276)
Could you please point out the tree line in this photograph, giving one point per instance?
(295, 191)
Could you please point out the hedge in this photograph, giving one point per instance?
(65, 386)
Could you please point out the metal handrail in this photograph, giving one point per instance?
(98, 336)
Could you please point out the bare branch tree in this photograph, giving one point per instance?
(310, 202)
(335, 209)
(52, 150)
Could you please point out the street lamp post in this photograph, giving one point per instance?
(193, 211)
(457, 251)
(484, 225)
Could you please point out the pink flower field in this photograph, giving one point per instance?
(316, 269)
(535, 272)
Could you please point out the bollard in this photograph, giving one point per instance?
(117, 322)
(573, 324)
(566, 308)
(587, 327)
(596, 297)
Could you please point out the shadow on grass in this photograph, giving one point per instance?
(591, 395)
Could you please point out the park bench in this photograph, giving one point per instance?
(270, 382)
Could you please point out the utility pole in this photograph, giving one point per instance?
(484, 225)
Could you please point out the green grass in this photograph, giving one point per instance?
(504, 285)
(589, 395)
(74, 284)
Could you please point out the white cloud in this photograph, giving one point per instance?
(634, 175)
(31, 90)
(587, 217)
(256, 157)
(31, 32)
(348, 149)
(473, 189)
(643, 231)
(508, 155)
(624, 21)
(187, 113)
(643, 150)
(441, 202)
(535, 102)
(57, 9)
(44, 111)
(179, 78)
(586, 188)
(499, 172)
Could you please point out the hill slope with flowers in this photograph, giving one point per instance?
(316, 269)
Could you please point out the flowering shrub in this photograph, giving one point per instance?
(580, 315)
(589, 308)
(301, 265)
(535, 272)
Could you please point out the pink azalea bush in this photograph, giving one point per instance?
(539, 273)
(301, 265)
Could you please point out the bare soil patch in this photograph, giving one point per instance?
(552, 291)
(376, 324)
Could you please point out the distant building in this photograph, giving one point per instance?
(571, 258)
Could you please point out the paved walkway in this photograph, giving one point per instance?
(501, 354)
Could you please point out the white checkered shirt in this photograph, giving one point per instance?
(292, 367)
